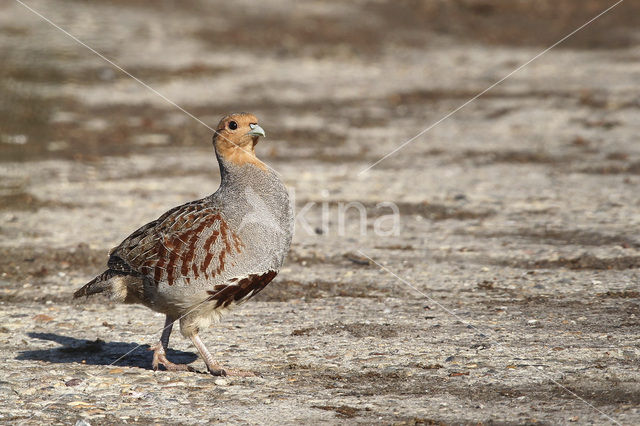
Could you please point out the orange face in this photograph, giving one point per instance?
(239, 129)
(236, 138)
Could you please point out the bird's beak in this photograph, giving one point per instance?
(256, 130)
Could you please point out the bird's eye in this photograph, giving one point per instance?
(233, 125)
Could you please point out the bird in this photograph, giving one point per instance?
(200, 259)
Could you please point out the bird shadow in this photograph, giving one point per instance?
(98, 352)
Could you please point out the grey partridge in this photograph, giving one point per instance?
(203, 257)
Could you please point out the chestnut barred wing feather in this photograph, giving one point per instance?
(241, 290)
(151, 228)
(189, 242)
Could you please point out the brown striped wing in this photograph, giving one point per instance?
(189, 242)
(240, 290)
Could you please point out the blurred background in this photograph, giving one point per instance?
(313, 70)
(520, 212)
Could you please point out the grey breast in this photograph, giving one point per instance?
(256, 206)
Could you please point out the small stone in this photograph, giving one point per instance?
(221, 382)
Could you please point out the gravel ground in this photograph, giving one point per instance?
(509, 293)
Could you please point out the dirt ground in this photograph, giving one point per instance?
(509, 295)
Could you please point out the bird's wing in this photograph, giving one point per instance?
(192, 241)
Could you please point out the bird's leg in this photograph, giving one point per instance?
(159, 350)
(214, 368)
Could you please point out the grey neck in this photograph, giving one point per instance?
(248, 188)
(232, 174)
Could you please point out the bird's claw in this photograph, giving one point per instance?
(229, 372)
(239, 373)
(218, 372)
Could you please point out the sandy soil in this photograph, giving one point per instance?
(509, 295)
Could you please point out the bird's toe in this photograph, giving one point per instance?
(217, 372)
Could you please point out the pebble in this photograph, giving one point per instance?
(221, 382)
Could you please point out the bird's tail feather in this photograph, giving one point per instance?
(98, 284)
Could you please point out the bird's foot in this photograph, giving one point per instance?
(160, 358)
(213, 367)
(217, 371)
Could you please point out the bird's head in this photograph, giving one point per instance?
(236, 137)
(237, 133)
